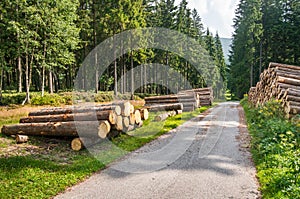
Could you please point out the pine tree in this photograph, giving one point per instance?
(220, 63)
(245, 55)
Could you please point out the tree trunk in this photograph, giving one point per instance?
(20, 74)
(50, 82)
(115, 71)
(132, 76)
(166, 107)
(27, 98)
(70, 110)
(96, 74)
(161, 117)
(1, 82)
(43, 68)
(109, 115)
(63, 129)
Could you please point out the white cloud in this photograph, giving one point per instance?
(216, 14)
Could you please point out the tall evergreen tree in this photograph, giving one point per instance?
(220, 63)
(245, 48)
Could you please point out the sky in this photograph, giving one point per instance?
(216, 14)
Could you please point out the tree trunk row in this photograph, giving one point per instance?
(98, 122)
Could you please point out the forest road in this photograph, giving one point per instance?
(203, 158)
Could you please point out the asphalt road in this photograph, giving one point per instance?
(200, 159)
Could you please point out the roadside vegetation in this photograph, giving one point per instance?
(43, 167)
(276, 149)
(61, 98)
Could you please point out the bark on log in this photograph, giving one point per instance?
(289, 81)
(293, 110)
(293, 92)
(161, 117)
(292, 98)
(166, 107)
(289, 75)
(70, 110)
(166, 97)
(273, 65)
(86, 128)
(109, 115)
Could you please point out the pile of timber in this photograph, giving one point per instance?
(186, 100)
(206, 96)
(90, 123)
(281, 82)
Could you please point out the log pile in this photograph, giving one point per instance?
(280, 82)
(88, 122)
(205, 96)
(190, 100)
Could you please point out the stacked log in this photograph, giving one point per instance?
(205, 96)
(165, 107)
(88, 122)
(281, 82)
(190, 100)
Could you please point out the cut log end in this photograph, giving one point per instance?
(103, 129)
(77, 144)
(138, 117)
(21, 139)
(144, 114)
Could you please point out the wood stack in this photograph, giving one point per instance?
(190, 100)
(206, 96)
(281, 82)
(88, 122)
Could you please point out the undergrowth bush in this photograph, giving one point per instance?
(66, 98)
(276, 149)
(47, 99)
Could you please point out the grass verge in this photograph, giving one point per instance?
(275, 147)
(45, 166)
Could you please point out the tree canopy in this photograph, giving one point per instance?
(265, 31)
(43, 43)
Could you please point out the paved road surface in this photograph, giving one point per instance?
(201, 159)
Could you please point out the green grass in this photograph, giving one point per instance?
(276, 150)
(46, 171)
